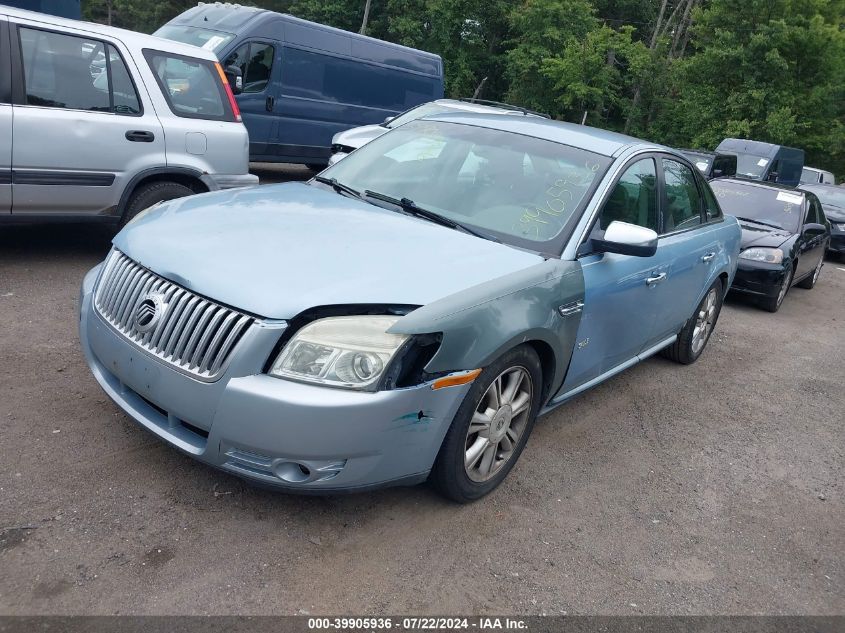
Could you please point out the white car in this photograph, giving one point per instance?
(349, 140)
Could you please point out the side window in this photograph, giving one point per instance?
(711, 206)
(125, 97)
(256, 63)
(812, 211)
(633, 199)
(683, 204)
(61, 71)
(260, 66)
(5, 75)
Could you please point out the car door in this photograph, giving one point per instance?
(813, 239)
(80, 126)
(257, 102)
(5, 119)
(689, 241)
(622, 293)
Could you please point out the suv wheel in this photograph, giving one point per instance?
(147, 195)
(693, 338)
(491, 427)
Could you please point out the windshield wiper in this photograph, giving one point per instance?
(409, 206)
(339, 187)
(774, 226)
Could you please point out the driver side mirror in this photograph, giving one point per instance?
(627, 239)
(235, 79)
(772, 177)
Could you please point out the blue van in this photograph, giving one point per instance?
(756, 160)
(303, 82)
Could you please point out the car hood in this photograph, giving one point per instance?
(834, 213)
(358, 136)
(754, 234)
(277, 250)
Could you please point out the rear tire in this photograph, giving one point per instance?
(147, 195)
(491, 427)
(696, 333)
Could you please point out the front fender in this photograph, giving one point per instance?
(483, 322)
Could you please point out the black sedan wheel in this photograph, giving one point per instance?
(773, 304)
(810, 281)
(491, 427)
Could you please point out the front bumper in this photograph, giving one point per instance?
(758, 278)
(280, 433)
(837, 242)
(217, 182)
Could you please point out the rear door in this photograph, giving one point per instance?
(689, 240)
(81, 127)
(260, 70)
(5, 120)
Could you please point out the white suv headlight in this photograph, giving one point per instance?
(350, 352)
(768, 255)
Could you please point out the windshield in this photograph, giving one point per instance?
(750, 165)
(809, 175)
(777, 207)
(204, 38)
(521, 189)
(417, 113)
(831, 198)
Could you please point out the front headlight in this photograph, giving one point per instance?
(350, 352)
(768, 255)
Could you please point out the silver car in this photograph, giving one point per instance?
(99, 123)
(349, 140)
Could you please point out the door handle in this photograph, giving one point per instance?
(140, 136)
(269, 103)
(656, 279)
(708, 257)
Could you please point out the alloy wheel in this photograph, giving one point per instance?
(498, 423)
(704, 321)
(783, 288)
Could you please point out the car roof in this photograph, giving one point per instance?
(819, 185)
(774, 186)
(130, 38)
(581, 136)
(482, 108)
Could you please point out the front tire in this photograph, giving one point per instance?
(773, 304)
(491, 427)
(810, 282)
(694, 336)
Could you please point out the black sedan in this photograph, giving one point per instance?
(784, 237)
(833, 204)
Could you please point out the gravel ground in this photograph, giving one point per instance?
(710, 489)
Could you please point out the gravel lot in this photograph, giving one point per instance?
(715, 488)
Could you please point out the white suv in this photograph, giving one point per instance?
(100, 123)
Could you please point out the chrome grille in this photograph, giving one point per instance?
(194, 334)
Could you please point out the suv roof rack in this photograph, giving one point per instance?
(506, 106)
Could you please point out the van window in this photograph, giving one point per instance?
(61, 71)
(192, 87)
(326, 78)
(255, 60)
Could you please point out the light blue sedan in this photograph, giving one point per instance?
(407, 314)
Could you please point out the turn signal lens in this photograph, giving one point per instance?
(454, 380)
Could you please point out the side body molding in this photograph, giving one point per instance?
(483, 322)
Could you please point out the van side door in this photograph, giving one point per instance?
(5, 119)
(81, 126)
(258, 61)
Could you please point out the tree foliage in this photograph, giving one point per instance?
(682, 72)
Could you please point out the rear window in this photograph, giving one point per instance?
(779, 208)
(193, 87)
